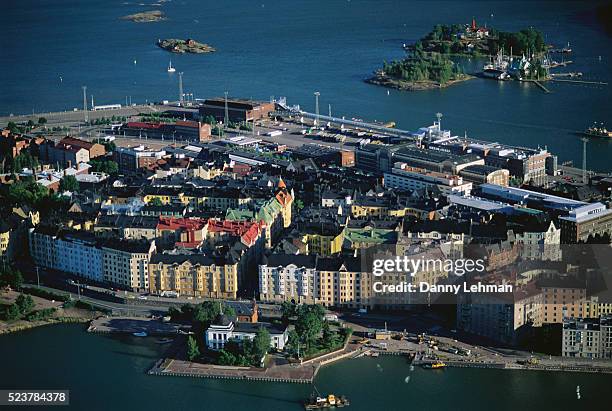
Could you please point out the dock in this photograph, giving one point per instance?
(598, 83)
(537, 83)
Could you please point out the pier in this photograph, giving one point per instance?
(599, 83)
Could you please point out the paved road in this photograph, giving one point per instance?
(66, 118)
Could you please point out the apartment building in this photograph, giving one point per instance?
(285, 277)
(194, 275)
(587, 338)
(125, 263)
(404, 177)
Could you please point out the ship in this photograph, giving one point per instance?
(318, 402)
(598, 131)
(434, 365)
(170, 68)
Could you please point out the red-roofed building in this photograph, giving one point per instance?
(248, 231)
(182, 232)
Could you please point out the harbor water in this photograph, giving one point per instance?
(106, 372)
(293, 48)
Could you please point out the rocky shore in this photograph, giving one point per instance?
(185, 46)
(146, 16)
(380, 79)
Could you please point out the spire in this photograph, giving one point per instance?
(473, 23)
(281, 183)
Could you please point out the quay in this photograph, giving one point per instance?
(599, 83)
(129, 325)
(280, 370)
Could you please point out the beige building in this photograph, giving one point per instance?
(193, 275)
(500, 317)
(563, 298)
(126, 263)
(341, 282)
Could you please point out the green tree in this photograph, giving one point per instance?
(69, 183)
(299, 204)
(26, 192)
(293, 342)
(193, 351)
(30, 124)
(309, 323)
(104, 166)
(25, 303)
(11, 278)
(42, 121)
(329, 338)
(12, 313)
(226, 358)
(261, 343)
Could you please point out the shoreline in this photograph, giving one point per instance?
(35, 324)
(380, 80)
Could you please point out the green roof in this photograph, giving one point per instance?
(370, 235)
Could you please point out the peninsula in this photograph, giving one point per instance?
(185, 46)
(146, 16)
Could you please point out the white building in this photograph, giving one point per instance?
(126, 263)
(287, 277)
(72, 252)
(587, 338)
(541, 245)
(223, 329)
(405, 177)
(120, 262)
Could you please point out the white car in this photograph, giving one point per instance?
(142, 297)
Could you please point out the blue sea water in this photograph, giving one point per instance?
(293, 48)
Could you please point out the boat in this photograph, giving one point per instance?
(140, 334)
(435, 365)
(318, 402)
(598, 131)
(164, 340)
(170, 68)
(331, 400)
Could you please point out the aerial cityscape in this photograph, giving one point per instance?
(372, 205)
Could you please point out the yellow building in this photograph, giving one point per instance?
(365, 209)
(340, 282)
(5, 240)
(193, 275)
(323, 245)
(563, 298)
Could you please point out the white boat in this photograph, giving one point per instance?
(140, 334)
(170, 68)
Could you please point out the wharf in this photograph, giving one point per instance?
(279, 369)
(129, 325)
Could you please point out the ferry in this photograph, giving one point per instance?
(595, 131)
(434, 366)
(318, 403)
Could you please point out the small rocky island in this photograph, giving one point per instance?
(146, 16)
(184, 46)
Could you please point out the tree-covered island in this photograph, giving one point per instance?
(420, 70)
(428, 63)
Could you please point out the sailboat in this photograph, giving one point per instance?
(170, 68)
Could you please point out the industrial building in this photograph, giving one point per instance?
(238, 110)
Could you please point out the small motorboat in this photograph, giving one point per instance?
(170, 68)
(140, 334)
